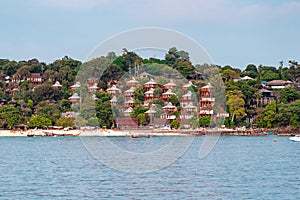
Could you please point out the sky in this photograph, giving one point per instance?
(233, 32)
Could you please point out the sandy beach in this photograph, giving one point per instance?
(137, 132)
(84, 133)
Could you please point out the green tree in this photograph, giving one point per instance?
(174, 100)
(205, 121)
(270, 75)
(113, 72)
(289, 94)
(93, 121)
(87, 109)
(175, 124)
(141, 118)
(65, 105)
(138, 110)
(80, 122)
(194, 121)
(288, 114)
(48, 110)
(103, 110)
(139, 94)
(45, 92)
(229, 75)
(251, 70)
(236, 103)
(10, 116)
(157, 92)
(39, 121)
(177, 113)
(29, 103)
(65, 122)
(24, 72)
(268, 116)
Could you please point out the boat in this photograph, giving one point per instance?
(295, 138)
(139, 135)
(66, 134)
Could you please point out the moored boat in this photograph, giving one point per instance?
(139, 135)
(295, 138)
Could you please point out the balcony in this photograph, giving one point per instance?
(207, 99)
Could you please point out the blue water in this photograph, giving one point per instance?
(237, 168)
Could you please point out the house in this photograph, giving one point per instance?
(114, 90)
(279, 84)
(16, 78)
(206, 101)
(90, 82)
(126, 123)
(56, 85)
(266, 97)
(186, 99)
(145, 75)
(12, 88)
(74, 99)
(149, 96)
(35, 78)
(150, 85)
(129, 93)
(77, 85)
(187, 86)
(187, 112)
(168, 113)
(246, 78)
(71, 114)
(113, 101)
(132, 82)
(129, 103)
(173, 76)
(166, 95)
(128, 111)
(95, 98)
(93, 88)
(170, 85)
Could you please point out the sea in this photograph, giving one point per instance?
(265, 167)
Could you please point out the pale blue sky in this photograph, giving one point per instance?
(235, 32)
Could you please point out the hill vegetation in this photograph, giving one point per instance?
(28, 97)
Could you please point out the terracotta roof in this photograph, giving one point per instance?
(264, 91)
(129, 101)
(94, 87)
(132, 80)
(189, 84)
(76, 85)
(151, 82)
(169, 105)
(169, 92)
(130, 90)
(35, 75)
(208, 86)
(113, 88)
(114, 100)
(57, 84)
(128, 110)
(278, 83)
(188, 94)
(246, 78)
(150, 111)
(75, 96)
(170, 84)
(190, 106)
(151, 91)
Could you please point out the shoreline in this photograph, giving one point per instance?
(149, 132)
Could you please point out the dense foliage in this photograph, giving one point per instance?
(25, 100)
